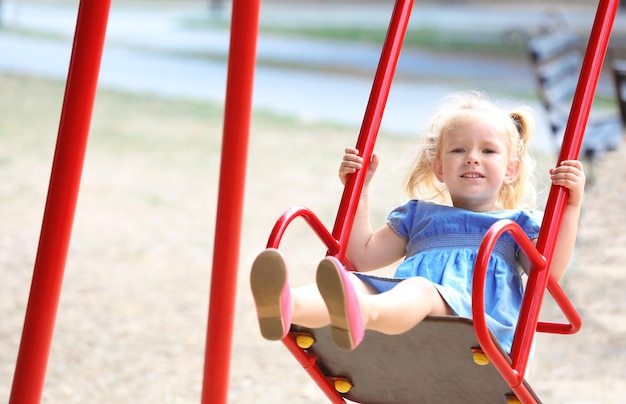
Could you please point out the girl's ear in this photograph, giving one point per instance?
(438, 168)
(511, 171)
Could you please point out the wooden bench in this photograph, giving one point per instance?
(556, 54)
(619, 75)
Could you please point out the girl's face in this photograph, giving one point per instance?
(474, 163)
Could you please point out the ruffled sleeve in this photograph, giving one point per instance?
(530, 222)
(401, 218)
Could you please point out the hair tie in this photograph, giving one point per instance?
(517, 121)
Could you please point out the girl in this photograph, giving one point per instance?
(472, 169)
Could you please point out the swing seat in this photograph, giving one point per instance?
(438, 361)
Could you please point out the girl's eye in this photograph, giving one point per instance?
(457, 150)
(489, 151)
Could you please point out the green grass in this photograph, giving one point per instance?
(33, 33)
(423, 37)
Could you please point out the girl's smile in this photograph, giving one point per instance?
(472, 175)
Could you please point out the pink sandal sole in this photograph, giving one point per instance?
(272, 295)
(346, 323)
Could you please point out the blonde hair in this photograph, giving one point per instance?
(461, 109)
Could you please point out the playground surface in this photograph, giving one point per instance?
(132, 320)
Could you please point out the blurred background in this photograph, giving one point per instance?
(306, 48)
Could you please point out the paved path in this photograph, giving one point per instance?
(148, 51)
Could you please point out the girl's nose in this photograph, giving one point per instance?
(471, 159)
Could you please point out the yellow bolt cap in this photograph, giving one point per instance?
(343, 385)
(481, 359)
(305, 341)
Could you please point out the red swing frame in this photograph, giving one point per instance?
(539, 255)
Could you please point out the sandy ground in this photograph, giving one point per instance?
(132, 319)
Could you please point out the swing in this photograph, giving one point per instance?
(444, 359)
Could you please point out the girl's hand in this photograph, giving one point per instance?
(570, 174)
(352, 162)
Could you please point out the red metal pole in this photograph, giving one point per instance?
(372, 120)
(557, 199)
(237, 114)
(56, 229)
(539, 277)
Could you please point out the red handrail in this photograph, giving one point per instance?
(314, 222)
(513, 370)
(540, 279)
(305, 359)
(513, 375)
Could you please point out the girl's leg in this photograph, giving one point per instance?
(392, 312)
(403, 307)
(309, 309)
(353, 306)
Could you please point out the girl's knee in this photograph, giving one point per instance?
(420, 283)
(430, 294)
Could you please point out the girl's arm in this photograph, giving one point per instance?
(570, 175)
(368, 249)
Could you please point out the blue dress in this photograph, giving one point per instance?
(442, 244)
